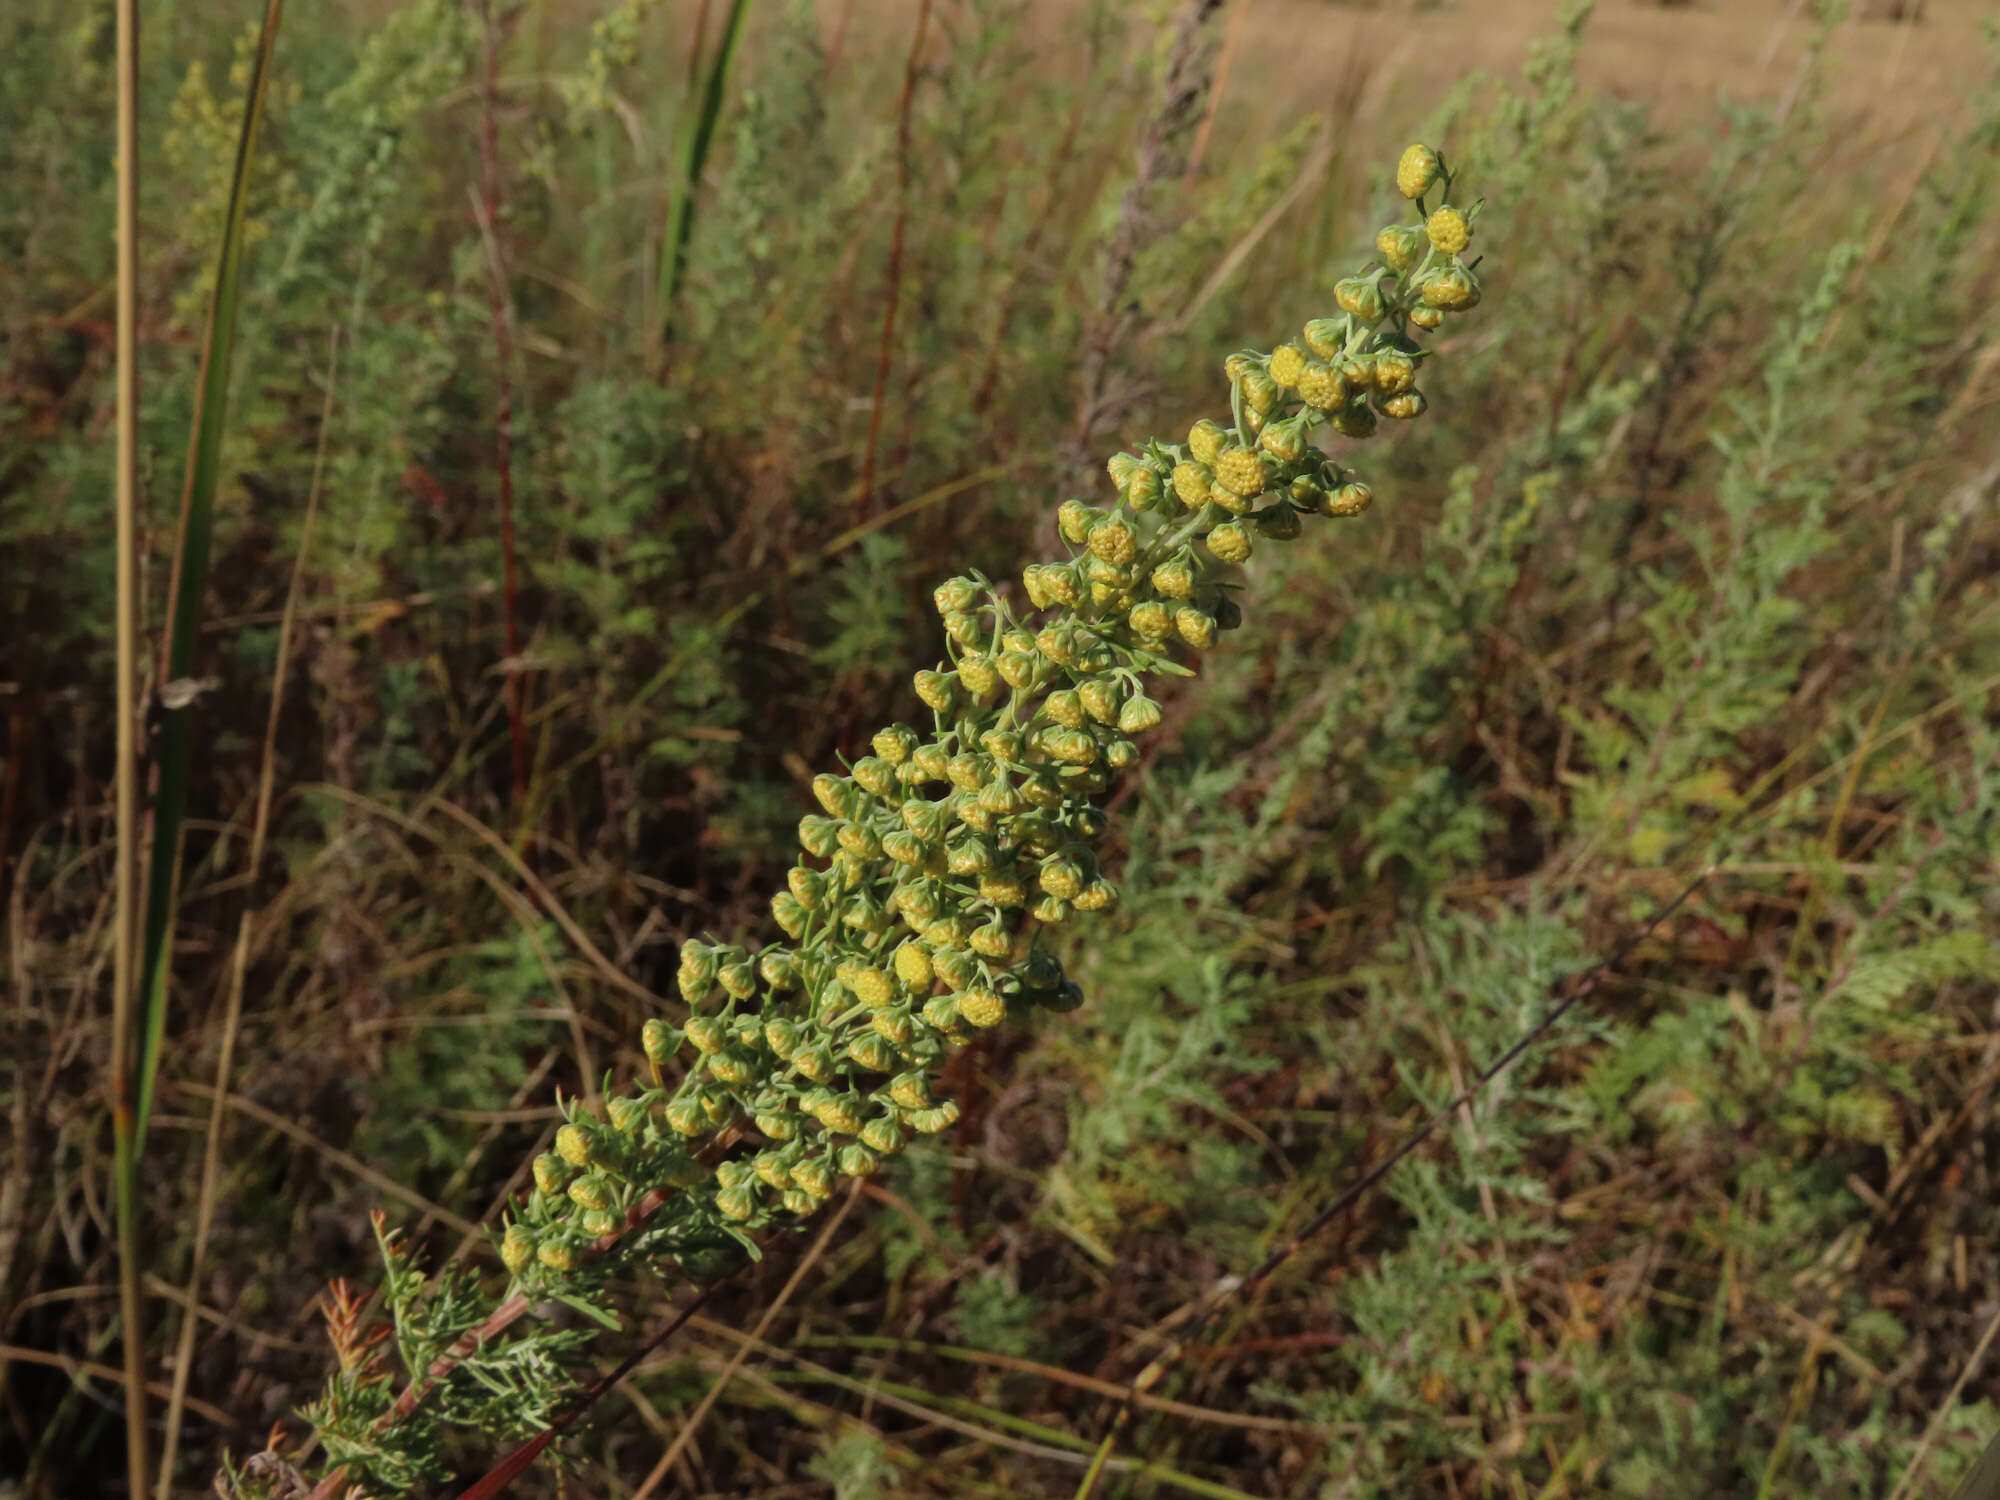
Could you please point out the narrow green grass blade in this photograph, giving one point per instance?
(184, 600)
(694, 146)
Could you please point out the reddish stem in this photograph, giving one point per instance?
(866, 502)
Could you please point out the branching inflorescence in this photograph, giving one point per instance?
(913, 916)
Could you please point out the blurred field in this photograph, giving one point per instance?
(1694, 561)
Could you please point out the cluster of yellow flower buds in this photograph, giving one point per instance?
(912, 916)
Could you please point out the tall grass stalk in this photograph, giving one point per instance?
(695, 139)
(125, 709)
(137, 1039)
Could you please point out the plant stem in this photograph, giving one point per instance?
(125, 709)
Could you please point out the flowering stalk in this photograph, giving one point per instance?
(914, 914)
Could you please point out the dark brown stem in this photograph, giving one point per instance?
(867, 497)
(1161, 157)
(488, 207)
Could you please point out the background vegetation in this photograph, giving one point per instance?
(1695, 561)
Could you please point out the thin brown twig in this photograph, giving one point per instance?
(211, 1163)
(1231, 40)
(707, 1404)
(1183, 91)
(895, 274)
(1234, 1290)
(486, 211)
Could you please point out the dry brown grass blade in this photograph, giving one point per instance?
(1236, 1290)
(240, 958)
(707, 1404)
(82, 1369)
(486, 213)
(1921, 1457)
(347, 1162)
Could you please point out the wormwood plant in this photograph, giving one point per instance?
(915, 914)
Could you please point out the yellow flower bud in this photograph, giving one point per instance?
(1400, 246)
(1196, 627)
(1448, 230)
(1065, 707)
(1404, 407)
(1192, 482)
(982, 1008)
(1230, 542)
(1359, 297)
(1350, 499)
(858, 1161)
(517, 1248)
(1395, 372)
(1112, 541)
(882, 1135)
(557, 1253)
(1175, 579)
(737, 1203)
(1452, 288)
(939, 690)
(1417, 170)
(573, 1145)
(814, 1177)
(1205, 440)
(1241, 472)
(1151, 621)
(912, 1091)
(1288, 363)
(659, 1041)
(1322, 387)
